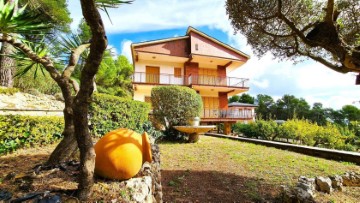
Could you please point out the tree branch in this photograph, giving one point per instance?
(293, 27)
(275, 35)
(45, 61)
(75, 85)
(340, 69)
(74, 58)
(329, 17)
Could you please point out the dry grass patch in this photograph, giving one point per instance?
(223, 170)
(22, 162)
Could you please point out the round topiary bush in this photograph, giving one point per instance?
(175, 105)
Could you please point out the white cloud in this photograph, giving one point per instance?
(309, 79)
(125, 49)
(149, 15)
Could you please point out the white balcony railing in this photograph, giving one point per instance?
(226, 113)
(170, 79)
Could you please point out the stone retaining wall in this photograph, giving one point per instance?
(312, 151)
(146, 186)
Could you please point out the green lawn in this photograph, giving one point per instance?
(217, 169)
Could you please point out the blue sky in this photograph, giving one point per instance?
(145, 20)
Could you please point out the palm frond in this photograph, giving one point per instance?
(71, 42)
(13, 20)
(106, 4)
(24, 63)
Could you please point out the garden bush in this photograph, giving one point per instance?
(109, 112)
(43, 83)
(303, 132)
(152, 132)
(265, 129)
(8, 91)
(26, 131)
(174, 105)
(247, 130)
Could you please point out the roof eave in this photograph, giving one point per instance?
(192, 29)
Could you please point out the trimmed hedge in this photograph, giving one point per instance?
(26, 131)
(106, 113)
(303, 132)
(174, 105)
(109, 112)
(8, 91)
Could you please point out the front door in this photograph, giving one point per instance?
(152, 74)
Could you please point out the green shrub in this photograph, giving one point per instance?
(25, 131)
(109, 112)
(303, 132)
(265, 129)
(248, 130)
(151, 131)
(8, 91)
(42, 83)
(174, 105)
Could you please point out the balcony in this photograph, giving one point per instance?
(226, 114)
(157, 79)
(204, 80)
(217, 81)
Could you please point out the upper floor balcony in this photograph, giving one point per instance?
(204, 80)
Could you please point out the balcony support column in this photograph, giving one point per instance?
(223, 100)
(227, 128)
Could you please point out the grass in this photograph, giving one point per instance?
(237, 167)
(212, 170)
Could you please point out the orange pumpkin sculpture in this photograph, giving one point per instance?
(121, 153)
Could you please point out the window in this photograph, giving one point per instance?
(177, 72)
(152, 74)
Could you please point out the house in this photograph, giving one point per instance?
(198, 61)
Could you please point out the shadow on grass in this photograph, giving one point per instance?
(215, 186)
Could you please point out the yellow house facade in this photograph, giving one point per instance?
(198, 61)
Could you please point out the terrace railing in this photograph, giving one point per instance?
(217, 81)
(171, 79)
(225, 113)
(164, 79)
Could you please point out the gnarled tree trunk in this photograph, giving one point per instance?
(7, 65)
(68, 145)
(82, 99)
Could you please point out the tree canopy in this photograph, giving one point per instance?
(326, 31)
(290, 107)
(244, 98)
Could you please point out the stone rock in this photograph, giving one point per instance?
(287, 195)
(141, 189)
(297, 194)
(337, 182)
(351, 179)
(303, 195)
(324, 184)
(307, 184)
(156, 173)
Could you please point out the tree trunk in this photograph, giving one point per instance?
(68, 145)
(87, 152)
(7, 65)
(82, 99)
